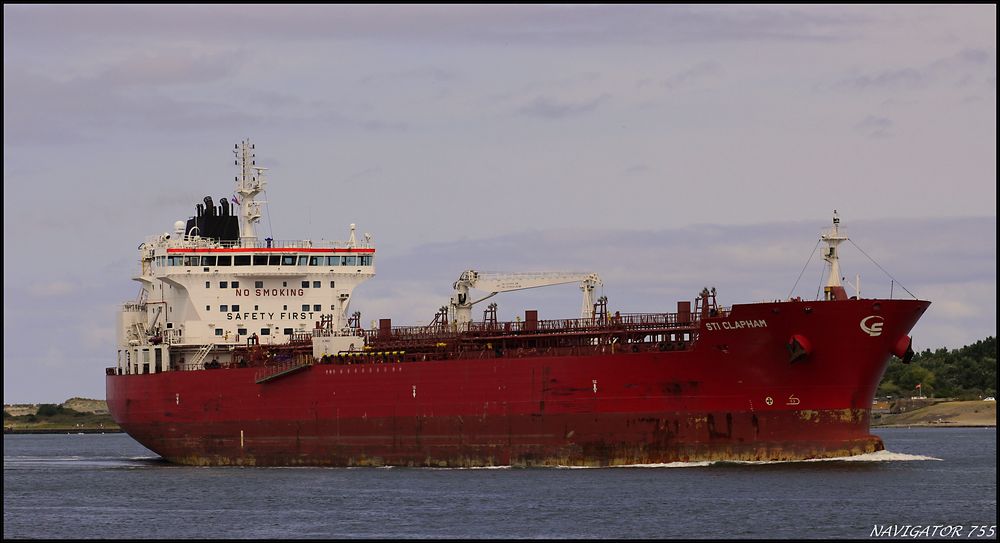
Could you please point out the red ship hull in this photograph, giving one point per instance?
(734, 395)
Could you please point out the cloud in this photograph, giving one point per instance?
(172, 67)
(551, 109)
(874, 127)
(905, 78)
(506, 24)
(428, 73)
(83, 109)
(695, 73)
(638, 169)
(51, 289)
(966, 67)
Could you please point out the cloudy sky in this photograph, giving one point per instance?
(666, 147)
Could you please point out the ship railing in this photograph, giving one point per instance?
(330, 332)
(293, 244)
(171, 336)
(186, 241)
(413, 333)
(597, 324)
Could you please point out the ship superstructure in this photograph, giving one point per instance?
(212, 284)
(244, 352)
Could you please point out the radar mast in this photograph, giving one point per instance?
(249, 184)
(833, 289)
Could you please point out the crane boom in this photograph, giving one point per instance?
(494, 283)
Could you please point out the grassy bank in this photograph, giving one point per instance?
(944, 414)
(57, 418)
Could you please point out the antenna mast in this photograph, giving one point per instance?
(833, 289)
(249, 183)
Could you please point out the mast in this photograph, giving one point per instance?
(249, 183)
(833, 238)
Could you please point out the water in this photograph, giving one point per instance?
(109, 486)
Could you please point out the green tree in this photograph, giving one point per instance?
(49, 410)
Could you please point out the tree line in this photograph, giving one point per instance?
(967, 373)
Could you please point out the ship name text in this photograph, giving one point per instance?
(736, 325)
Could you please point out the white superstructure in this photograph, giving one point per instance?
(207, 287)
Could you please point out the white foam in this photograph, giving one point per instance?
(699, 464)
(879, 456)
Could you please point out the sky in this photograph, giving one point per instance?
(665, 147)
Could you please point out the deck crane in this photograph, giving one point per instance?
(460, 307)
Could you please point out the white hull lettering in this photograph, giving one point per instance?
(736, 325)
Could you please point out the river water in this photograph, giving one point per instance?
(109, 486)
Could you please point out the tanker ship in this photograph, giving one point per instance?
(241, 351)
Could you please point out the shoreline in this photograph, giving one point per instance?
(927, 425)
(8, 431)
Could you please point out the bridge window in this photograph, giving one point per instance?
(241, 260)
(274, 260)
(366, 260)
(303, 260)
(260, 260)
(208, 260)
(333, 261)
(316, 260)
(225, 260)
(349, 261)
(316, 284)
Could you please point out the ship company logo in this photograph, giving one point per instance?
(872, 325)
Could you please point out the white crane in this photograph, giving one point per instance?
(460, 308)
